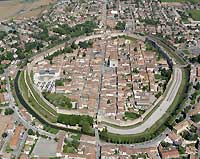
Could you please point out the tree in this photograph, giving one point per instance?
(85, 126)
(165, 144)
(37, 133)
(9, 56)
(157, 95)
(31, 132)
(4, 135)
(1, 49)
(85, 44)
(135, 49)
(120, 25)
(74, 46)
(8, 111)
(2, 34)
(197, 86)
(181, 150)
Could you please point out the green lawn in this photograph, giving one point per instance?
(50, 129)
(157, 76)
(194, 14)
(186, 51)
(131, 115)
(59, 100)
(76, 136)
(68, 149)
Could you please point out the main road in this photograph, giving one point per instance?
(158, 113)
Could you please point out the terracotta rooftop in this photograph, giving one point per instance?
(16, 136)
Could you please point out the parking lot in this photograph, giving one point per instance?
(42, 150)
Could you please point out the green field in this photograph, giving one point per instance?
(194, 14)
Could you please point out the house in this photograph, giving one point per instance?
(196, 110)
(60, 89)
(113, 61)
(177, 140)
(6, 124)
(14, 142)
(180, 127)
(198, 73)
(61, 138)
(168, 154)
(191, 150)
(2, 99)
(24, 156)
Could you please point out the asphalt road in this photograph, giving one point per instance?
(158, 113)
(6, 142)
(17, 114)
(21, 145)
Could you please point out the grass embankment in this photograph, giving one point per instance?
(37, 97)
(34, 104)
(172, 54)
(33, 99)
(159, 126)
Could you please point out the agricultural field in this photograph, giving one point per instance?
(181, 1)
(173, 0)
(21, 9)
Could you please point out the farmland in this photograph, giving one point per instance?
(17, 9)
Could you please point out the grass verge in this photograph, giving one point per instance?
(40, 109)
